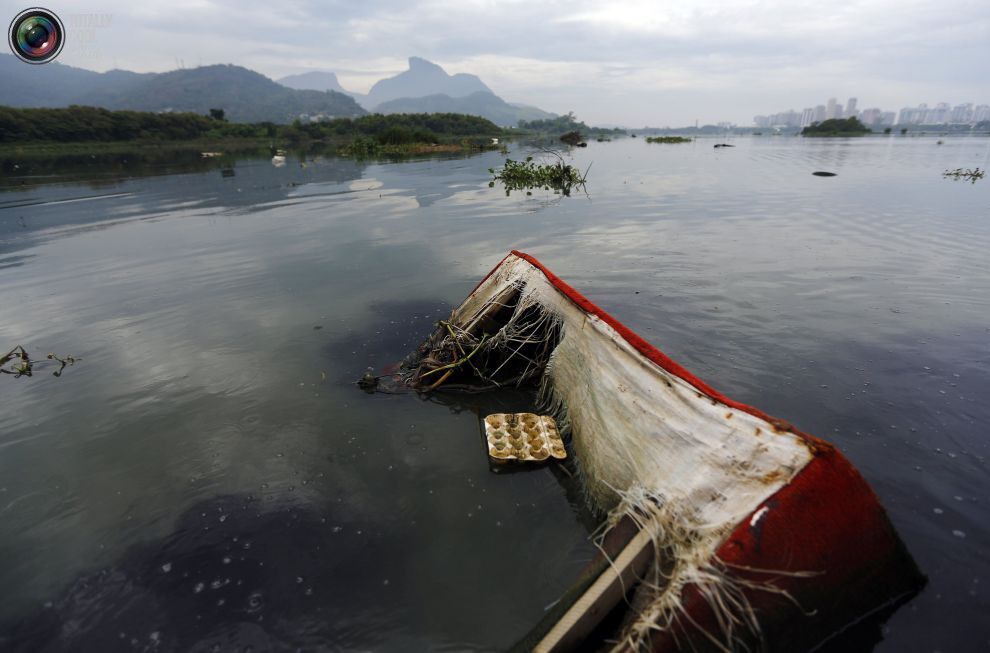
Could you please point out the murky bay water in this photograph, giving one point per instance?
(209, 476)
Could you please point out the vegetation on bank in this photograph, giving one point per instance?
(837, 127)
(398, 128)
(563, 125)
(526, 175)
(90, 124)
(364, 148)
(164, 148)
(668, 139)
(93, 125)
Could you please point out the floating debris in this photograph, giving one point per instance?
(369, 381)
(965, 174)
(718, 145)
(26, 366)
(524, 437)
(822, 173)
(573, 138)
(686, 488)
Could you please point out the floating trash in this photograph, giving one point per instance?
(524, 437)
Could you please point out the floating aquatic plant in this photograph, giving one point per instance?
(965, 174)
(555, 175)
(18, 363)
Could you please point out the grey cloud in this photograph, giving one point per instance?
(759, 54)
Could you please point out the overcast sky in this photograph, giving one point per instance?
(632, 63)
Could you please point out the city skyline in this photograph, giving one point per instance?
(943, 113)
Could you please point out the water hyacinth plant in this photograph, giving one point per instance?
(556, 175)
(965, 174)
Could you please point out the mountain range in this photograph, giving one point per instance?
(426, 88)
(248, 96)
(480, 103)
(244, 95)
(424, 78)
(315, 81)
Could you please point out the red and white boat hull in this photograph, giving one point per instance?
(766, 536)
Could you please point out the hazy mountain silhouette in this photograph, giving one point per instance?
(426, 88)
(248, 96)
(56, 85)
(482, 103)
(313, 81)
(321, 81)
(245, 96)
(424, 78)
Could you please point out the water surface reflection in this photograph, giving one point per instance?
(222, 318)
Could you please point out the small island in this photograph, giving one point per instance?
(837, 127)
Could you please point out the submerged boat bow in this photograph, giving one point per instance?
(759, 535)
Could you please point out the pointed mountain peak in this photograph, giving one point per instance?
(423, 78)
(317, 80)
(419, 64)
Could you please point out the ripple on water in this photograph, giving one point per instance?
(188, 453)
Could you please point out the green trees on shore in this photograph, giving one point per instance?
(77, 124)
(564, 124)
(397, 128)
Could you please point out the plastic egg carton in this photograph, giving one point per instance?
(524, 437)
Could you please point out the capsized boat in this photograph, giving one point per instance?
(727, 528)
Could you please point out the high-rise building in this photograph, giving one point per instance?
(870, 117)
(851, 108)
(830, 109)
(820, 112)
(789, 118)
(961, 114)
(938, 115)
(913, 115)
(807, 117)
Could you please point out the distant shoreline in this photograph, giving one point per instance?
(110, 147)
